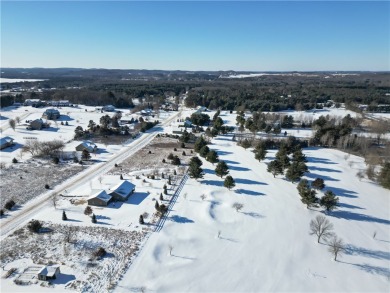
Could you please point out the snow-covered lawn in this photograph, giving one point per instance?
(266, 247)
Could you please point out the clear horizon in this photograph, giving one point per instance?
(197, 36)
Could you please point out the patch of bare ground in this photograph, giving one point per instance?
(24, 181)
(151, 157)
(74, 247)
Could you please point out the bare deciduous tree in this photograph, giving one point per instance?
(336, 246)
(54, 199)
(237, 206)
(17, 119)
(321, 227)
(12, 123)
(203, 197)
(170, 249)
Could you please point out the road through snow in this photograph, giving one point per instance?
(17, 218)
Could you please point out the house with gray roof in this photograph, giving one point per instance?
(99, 198)
(122, 190)
(5, 142)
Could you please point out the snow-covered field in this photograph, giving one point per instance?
(267, 247)
(204, 245)
(12, 80)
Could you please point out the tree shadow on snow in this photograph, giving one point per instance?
(315, 168)
(213, 182)
(183, 257)
(208, 171)
(249, 192)
(248, 181)
(319, 160)
(357, 217)
(314, 176)
(361, 251)
(234, 168)
(222, 153)
(231, 162)
(342, 192)
(371, 269)
(179, 219)
(349, 206)
(253, 215)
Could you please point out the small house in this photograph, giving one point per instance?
(108, 108)
(100, 199)
(37, 124)
(32, 102)
(122, 191)
(6, 142)
(87, 145)
(51, 114)
(49, 273)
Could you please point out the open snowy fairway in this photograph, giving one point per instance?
(267, 246)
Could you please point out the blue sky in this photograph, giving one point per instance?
(253, 36)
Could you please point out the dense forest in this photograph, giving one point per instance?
(273, 92)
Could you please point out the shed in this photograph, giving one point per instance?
(87, 145)
(6, 142)
(122, 191)
(100, 199)
(49, 273)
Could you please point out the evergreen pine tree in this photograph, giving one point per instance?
(260, 153)
(94, 219)
(212, 157)
(156, 205)
(141, 219)
(384, 176)
(194, 169)
(64, 217)
(318, 183)
(283, 158)
(329, 201)
(275, 168)
(204, 151)
(222, 169)
(308, 195)
(298, 156)
(199, 143)
(229, 182)
(161, 197)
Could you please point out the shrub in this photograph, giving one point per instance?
(141, 219)
(88, 211)
(34, 226)
(121, 177)
(100, 252)
(183, 145)
(163, 160)
(176, 161)
(9, 204)
(47, 186)
(14, 160)
(170, 156)
(1, 212)
(64, 217)
(56, 160)
(183, 153)
(175, 149)
(161, 197)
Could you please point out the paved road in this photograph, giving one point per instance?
(17, 218)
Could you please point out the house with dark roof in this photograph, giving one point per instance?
(51, 114)
(6, 142)
(37, 124)
(99, 198)
(122, 190)
(87, 145)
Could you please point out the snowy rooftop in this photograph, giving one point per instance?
(48, 271)
(123, 188)
(102, 194)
